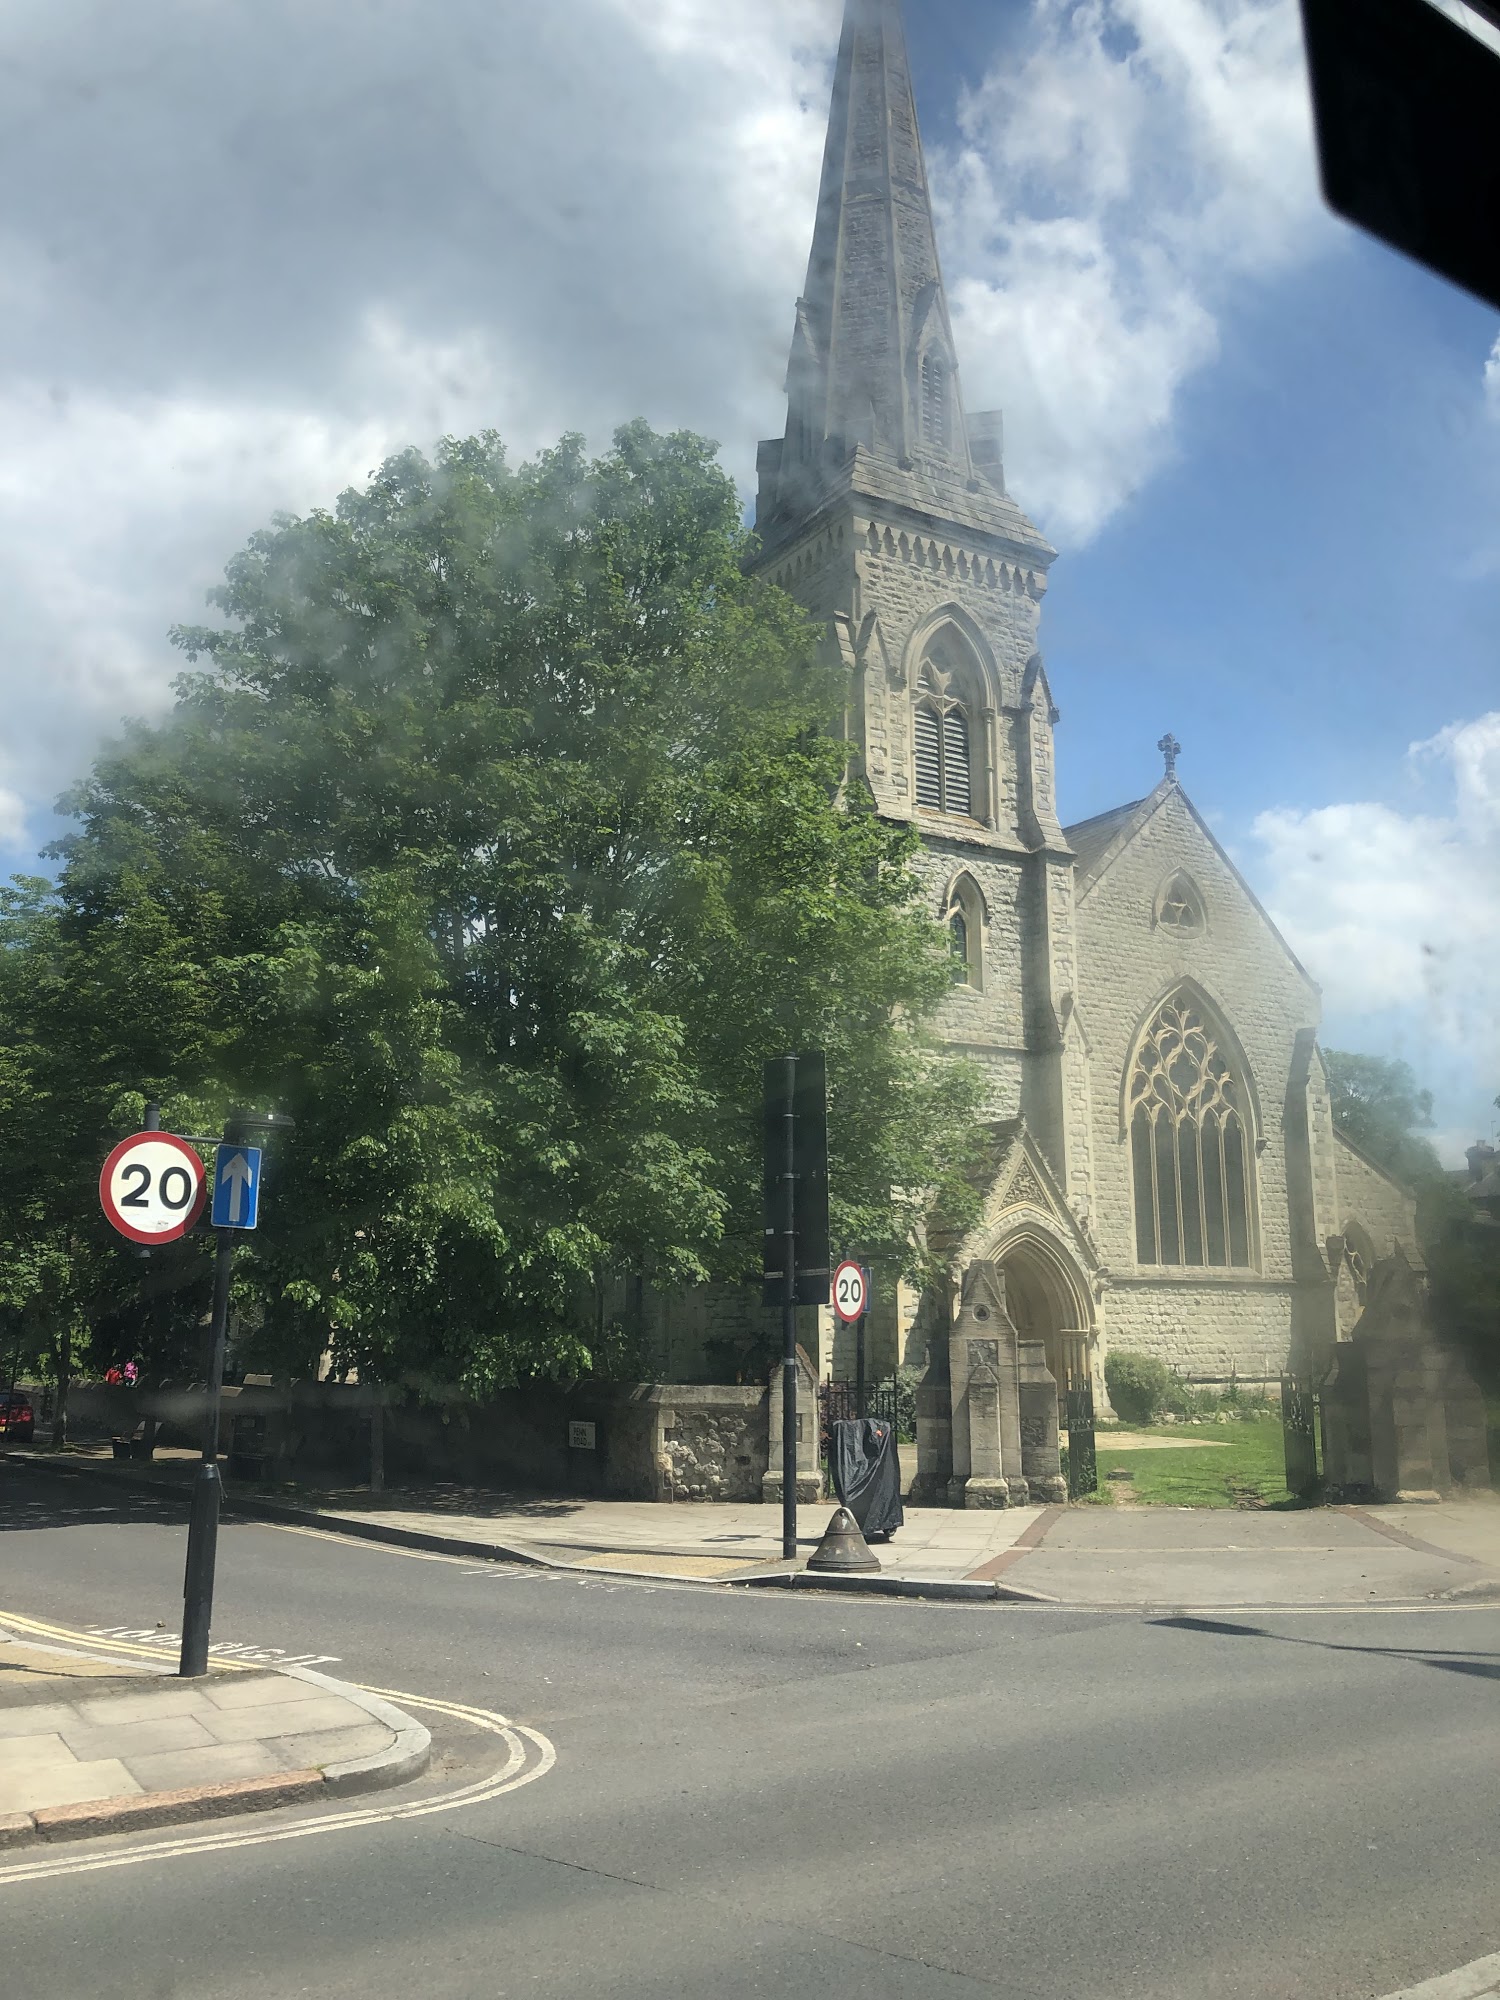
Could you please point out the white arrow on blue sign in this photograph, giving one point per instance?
(236, 1187)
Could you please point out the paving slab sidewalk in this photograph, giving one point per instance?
(90, 1745)
(1100, 1557)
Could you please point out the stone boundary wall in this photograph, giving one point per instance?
(650, 1441)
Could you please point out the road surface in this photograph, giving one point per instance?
(759, 1793)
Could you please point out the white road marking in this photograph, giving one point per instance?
(222, 1649)
(521, 1743)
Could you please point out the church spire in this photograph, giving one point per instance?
(872, 359)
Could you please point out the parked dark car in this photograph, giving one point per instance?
(17, 1423)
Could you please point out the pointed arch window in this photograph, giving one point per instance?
(964, 917)
(945, 780)
(958, 945)
(1189, 1144)
(935, 400)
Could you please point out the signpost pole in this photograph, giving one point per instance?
(203, 1523)
(859, 1353)
(236, 1205)
(789, 1321)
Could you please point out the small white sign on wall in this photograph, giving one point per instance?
(580, 1436)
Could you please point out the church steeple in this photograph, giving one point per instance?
(872, 360)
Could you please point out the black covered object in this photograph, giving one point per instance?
(867, 1474)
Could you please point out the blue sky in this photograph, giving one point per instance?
(251, 249)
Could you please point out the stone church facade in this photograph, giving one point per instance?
(1165, 1172)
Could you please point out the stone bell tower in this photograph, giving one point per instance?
(883, 510)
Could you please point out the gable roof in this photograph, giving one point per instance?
(1007, 1150)
(1104, 838)
(1091, 838)
(1341, 1138)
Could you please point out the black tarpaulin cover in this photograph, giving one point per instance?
(867, 1474)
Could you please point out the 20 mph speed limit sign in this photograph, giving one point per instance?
(851, 1290)
(152, 1187)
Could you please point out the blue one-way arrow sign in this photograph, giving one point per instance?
(236, 1187)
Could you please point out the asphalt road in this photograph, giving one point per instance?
(797, 1795)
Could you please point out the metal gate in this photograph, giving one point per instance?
(1075, 1395)
(1083, 1463)
(838, 1403)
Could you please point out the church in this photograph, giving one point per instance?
(1164, 1173)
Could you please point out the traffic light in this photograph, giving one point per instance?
(796, 1085)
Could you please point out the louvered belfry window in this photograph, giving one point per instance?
(944, 780)
(955, 762)
(935, 401)
(929, 758)
(1188, 1140)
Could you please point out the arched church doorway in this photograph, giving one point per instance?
(1048, 1299)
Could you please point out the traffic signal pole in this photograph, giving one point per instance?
(789, 1321)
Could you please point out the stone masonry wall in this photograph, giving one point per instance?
(1367, 1196)
(1205, 1329)
(713, 1442)
(1128, 963)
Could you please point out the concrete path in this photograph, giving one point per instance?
(1479, 1981)
(1097, 1556)
(1156, 1556)
(1101, 1557)
(90, 1747)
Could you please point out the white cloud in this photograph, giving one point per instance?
(1123, 171)
(247, 250)
(1492, 380)
(1397, 914)
(12, 818)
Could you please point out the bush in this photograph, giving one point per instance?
(906, 1380)
(1140, 1388)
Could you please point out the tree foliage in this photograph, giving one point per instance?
(499, 833)
(1378, 1103)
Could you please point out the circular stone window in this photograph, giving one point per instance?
(981, 1312)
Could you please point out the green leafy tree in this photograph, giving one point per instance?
(1378, 1103)
(500, 834)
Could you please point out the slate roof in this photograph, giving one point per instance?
(1090, 837)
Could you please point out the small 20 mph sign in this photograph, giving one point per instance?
(850, 1290)
(152, 1187)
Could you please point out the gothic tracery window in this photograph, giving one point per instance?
(1189, 1144)
(944, 776)
(1179, 906)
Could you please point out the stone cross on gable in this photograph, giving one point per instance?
(1171, 750)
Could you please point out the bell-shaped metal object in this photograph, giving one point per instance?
(843, 1548)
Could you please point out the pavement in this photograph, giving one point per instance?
(94, 1745)
(1479, 1981)
(1119, 1557)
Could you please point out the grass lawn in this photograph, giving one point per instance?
(1245, 1469)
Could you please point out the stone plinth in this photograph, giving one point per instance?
(1041, 1459)
(984, 1390)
